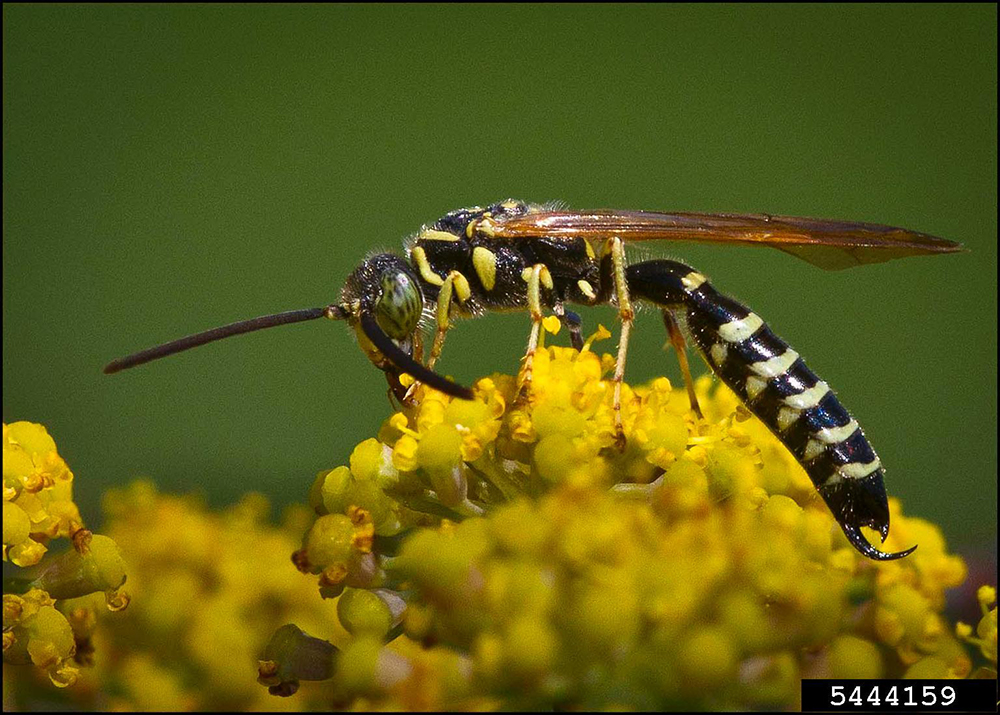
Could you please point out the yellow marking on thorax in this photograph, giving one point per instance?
(419, 256)
(462, 292)
(586, 288)
(485, 263)
(536, 276)
(432, 234)
(485, 226)
(544, 277)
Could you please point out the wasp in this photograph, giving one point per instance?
(518, 256)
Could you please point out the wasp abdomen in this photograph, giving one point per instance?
(775, 384)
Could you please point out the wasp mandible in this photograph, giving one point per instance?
(518, 256)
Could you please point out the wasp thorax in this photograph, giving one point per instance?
(399, 305)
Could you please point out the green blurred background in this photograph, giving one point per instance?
(170, 169)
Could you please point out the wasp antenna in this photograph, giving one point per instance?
(225, 331)
(406, 363)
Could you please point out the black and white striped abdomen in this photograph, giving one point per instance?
(776, 385)
(774, 382)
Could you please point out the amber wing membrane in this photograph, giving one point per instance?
(828, 244)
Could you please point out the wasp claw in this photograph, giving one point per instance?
(410, 398)
(620, 441)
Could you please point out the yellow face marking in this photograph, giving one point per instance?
(692, 280)
(423, 265)
(832, 435)
(586, 288)
(485, 263)
(432, 234)
(755, 386)
(787, 416)
(809, 397)
(736, 331)
(853, 470)
(777, 365)
(813, 450)
(719, 353)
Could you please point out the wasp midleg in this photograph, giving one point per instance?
(773, 381)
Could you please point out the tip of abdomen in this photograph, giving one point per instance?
(857, 502)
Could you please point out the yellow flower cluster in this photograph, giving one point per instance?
(500, 553)
(208, 588)
(37, 494)
(696, 568)
(985, 638)
(38, 507)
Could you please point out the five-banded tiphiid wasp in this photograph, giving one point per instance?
(514, 255)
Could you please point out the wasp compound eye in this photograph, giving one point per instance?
(399, 306)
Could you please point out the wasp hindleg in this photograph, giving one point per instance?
(626, 313)
(680, 347)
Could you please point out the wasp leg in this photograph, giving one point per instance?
(456, 287)
(626, 314)
(418, 347)
(677, 339)
(573, 324)
(535, 276)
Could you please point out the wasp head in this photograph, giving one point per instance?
(383, 301)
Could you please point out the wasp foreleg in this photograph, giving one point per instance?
(454, 287)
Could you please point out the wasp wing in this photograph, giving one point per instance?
(828, 244)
